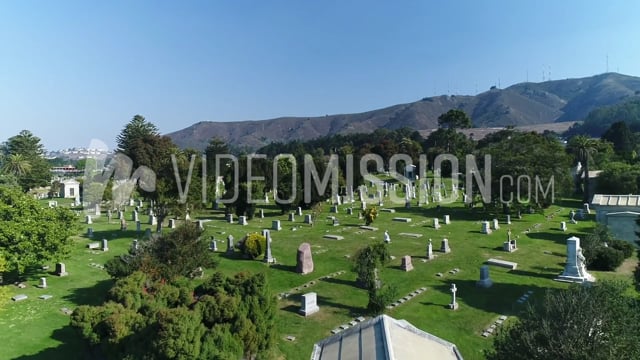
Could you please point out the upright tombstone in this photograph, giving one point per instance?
(307, 219)
(430, 255)
(292, 217)
(363, 206)
(387, 238)
(132, 202)
(586, 208)
(275, 225)
(261, 213)
(436, 223)
(309, 304)
(406, 264)
(242, 220)
(109, 216)
(268, 258)
(486, 229)
(90, 232)
(43, 283)
(153, 220)
(496, 224)
(334, 209)
(454, 303)
(349, 211)
(230, 218)
(304, 261)
(447, 220)
(563, 225)
(575, 269)
(120, 214)
(105, 245)
(444, 246)
(508, 219)
(61, 269)
(485, 280)
(89, 220)
(230, 245)
(134, 245)
(123, 224)
(172, 223)
(138, 226)
(97, 210)
(135, 216)
(299, 211)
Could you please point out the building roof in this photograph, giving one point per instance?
(616, 200)
(384, 338)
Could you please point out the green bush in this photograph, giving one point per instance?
(253, 245)
(380, 298)
(606, 259)
(624, 246)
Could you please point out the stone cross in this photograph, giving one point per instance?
(454, 303)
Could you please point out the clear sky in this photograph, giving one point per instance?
(71, 71)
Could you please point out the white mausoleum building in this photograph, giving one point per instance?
(619, 213)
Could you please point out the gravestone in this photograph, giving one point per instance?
(292, 217)
(510, 245)
(90, 232)
(496, 224)
(335, 222)
(406, 263)
(134, 245)
(109, 215)
(105, 245)
(299, 211)
(200, 224)
(349, 211)
(147, 233)
(436, 223)
(307, 219)
(120, 214)
(444, 246)
(135, 216)
(172, 223)
(19, 297)
(230, 245)
(447, 220)
(138, 226)
(485, 280)
(131, 202)
(454, 303)
(572, 215)
(387, 238)
(575, 269)
(334, 209)
(563, 226)
(61, 269)
(430, 255)
(53, 204)
(275, 225)
(89, 220)
(508, 219)
(304, 262)
(123, 224)
(363, 206)
(486, 229)
(242, 220)
(230, 218)
(586, 208)
(43, 283)
(97, 210)
(153, 220)
(261, 213)
(268, 258)
(309, 304)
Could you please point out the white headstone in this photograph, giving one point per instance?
(486, 229)
(105, 245)
(242, 220)
(563, 225)
(387, 238)
(309, 304)
(508, 219)
(299, 211)
(436, 223)
(307, 219)
(575, 269)
(43, 283)
(496, 224)
(447, 220)
(89, 220)
(292, 217)
(444, 246)
(172, 223)
(275, 225)
(430, 251)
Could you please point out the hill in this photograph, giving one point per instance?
(521, 104)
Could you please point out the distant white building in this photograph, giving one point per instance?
(384, 338)
(619, 213)
(70, 189)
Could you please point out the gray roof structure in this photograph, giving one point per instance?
(384, 338)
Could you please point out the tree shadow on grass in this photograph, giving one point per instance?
(286, 268)
(333, 280)
(72, 347)
(500, 298)
(94, 295)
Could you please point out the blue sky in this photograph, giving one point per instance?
(72, 71)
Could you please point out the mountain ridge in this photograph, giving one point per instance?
(520, 104)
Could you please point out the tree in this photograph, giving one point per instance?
(455, 119)
(622, 139)
(619, 178)
(598, 322)
(582, 148)
(32, 234)
(137, 128)
(24, 159)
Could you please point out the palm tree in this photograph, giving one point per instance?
(582, 148)
(17, 165)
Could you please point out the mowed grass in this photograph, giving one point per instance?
(37, 329)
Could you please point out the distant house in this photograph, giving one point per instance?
(384, 338)
(619, 213)
(70, 189)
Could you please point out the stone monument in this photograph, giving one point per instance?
(575, 269)
(309, 304)
(304, 263)
(406, 263)
(485, 280)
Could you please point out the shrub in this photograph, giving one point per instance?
(380, 298)
(606, 259)
(253, 245)
(624, 246)
(370, 214)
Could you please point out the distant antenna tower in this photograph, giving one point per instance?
(607, 62)
(549, 77)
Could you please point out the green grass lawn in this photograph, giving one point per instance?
(37, 329)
